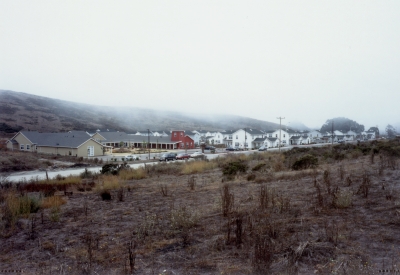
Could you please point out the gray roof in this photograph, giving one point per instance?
(272, 139)
(254, 131)
(122, 136)
(259, 140)
(229, 132)
(71, 139)
(295, 137)
(290, 131)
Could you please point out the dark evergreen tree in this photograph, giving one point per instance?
(390, 131)
(342, 124)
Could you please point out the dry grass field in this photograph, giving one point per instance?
(306, 211)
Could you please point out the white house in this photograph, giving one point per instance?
(195, 136)
(160, 133)
(218, 137)
(228, 137)
(271, 142)
(286, 136)
(315, 135)
(243, 138)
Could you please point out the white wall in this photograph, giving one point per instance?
(238, 137)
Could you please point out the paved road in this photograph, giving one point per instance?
(220, 153)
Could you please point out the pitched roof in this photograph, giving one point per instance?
(259, 140)
(253, 131)
(122, 136)
(272, 139)
(229, 132)
(295, 137)
(69, 139)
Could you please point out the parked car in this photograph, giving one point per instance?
(197, 155)
(230, 149)
(183, 156)
(238, 149)
(262, 148)
(167, 157)
(132, 157)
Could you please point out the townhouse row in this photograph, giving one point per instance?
(84, 144)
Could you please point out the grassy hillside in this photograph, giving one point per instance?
(26, 111)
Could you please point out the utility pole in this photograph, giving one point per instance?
(332, 134)
(280, 131)
(148, 141)
(245, 139)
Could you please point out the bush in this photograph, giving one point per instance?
(305, 162)
(232, 168)
(259, 166)
(105, 195)
(343, 199)
(251, 177)
(113, 169)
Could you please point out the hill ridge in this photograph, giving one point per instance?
(19, 110)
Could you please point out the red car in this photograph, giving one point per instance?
(183, 156)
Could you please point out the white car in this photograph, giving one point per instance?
(196, 155)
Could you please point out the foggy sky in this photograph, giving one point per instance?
(306, 61)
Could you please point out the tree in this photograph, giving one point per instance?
(390, 131)
(342, 124)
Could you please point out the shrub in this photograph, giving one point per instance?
(259, 166)
(113, 169)
(232, 168)
(105, 195)
(251, 177)
(87, 174)
(305, 162)
(343, 199)
(15, 207)
(183, 218)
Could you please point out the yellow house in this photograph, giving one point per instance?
(74, 143)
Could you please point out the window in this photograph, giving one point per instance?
(174, 134)
(22, 147)
(236, 136)
(276, 135)
(230, 137)
(187, 143)
(218, 136)
(181, 134)
(236, 143)
(28, 147)
(284, 135)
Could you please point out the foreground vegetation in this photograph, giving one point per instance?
(305, 211)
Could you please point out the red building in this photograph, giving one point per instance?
(184, 140)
